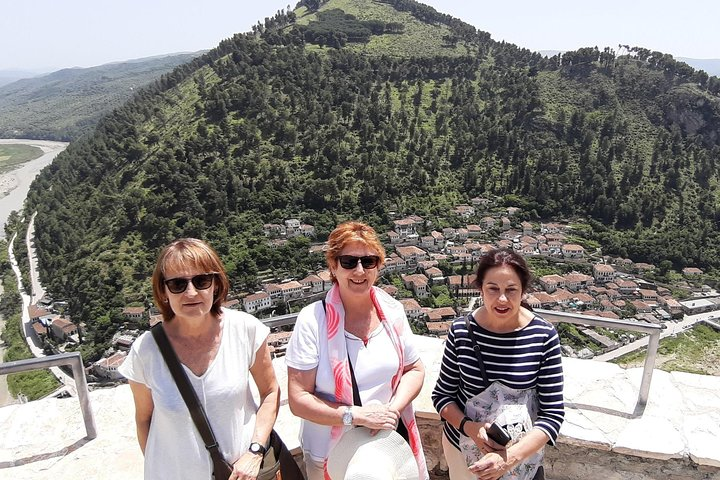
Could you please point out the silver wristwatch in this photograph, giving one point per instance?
(347, 417)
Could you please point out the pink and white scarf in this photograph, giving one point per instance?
(394, 324)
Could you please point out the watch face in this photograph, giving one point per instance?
(347, 417)
(256, 448)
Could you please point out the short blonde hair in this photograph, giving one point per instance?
(188, 253)
(349, 232)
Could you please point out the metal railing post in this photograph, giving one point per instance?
(651, 329)
(653, 344)
(75, 361)
(84, 396)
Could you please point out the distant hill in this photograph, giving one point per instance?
(711, 66)
(65, 104)
(10, 76)
(358, 108)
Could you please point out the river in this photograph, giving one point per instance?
(14, 187)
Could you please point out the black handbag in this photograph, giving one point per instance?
(277, 458)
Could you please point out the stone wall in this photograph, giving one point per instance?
(572, 462)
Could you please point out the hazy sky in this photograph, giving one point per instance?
(46, 35)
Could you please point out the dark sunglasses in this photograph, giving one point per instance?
(200, 282)
(349, 262)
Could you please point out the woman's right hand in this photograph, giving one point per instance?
(476, 431)
(375, 417)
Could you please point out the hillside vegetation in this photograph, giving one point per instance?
(694, 351)
(67, 103)
(308, 117)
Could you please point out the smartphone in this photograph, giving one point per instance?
(498, 434)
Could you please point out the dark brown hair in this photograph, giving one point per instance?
(349, 232)
(188, 253)
(500, 257)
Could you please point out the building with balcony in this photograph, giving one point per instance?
(603, 273)
(418, 283)
(412, 308)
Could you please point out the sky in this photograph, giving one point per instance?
(47, 35)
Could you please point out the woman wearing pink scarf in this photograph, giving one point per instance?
(358, 331)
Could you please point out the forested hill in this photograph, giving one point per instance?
(353, 109)
(65, 104)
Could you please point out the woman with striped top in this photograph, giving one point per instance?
(499, 353)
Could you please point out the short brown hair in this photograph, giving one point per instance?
(349, 232)
(499, 257)
(189, 253)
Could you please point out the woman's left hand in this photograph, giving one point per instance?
(247, 467)
(491, 466)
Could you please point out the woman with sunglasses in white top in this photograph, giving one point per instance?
(351, 359)
(219, 350)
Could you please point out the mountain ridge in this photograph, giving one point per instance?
(62, 105)
(710, 65)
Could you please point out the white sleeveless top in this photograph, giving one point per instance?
(174, 446)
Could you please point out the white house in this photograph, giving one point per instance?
(256, 302)
(572, 250)
(108, 367)
(603, 273)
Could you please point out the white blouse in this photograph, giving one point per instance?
(174, 446)
(374, 365)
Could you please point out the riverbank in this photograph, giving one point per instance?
(15, 184)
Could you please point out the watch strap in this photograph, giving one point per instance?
(348, 416)
(461, 428)
(259, 448)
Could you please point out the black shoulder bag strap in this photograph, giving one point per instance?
(476, 349)
(221, 469)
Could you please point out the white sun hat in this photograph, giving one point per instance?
(360, 456)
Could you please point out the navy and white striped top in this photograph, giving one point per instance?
(527, 358)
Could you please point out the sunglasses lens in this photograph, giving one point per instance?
(350, 261)
(369, 262)
(203, 282)
(200, 282)
(177, 285)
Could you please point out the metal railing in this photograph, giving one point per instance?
(280, 320)
(75, 361)
(574, 318)
(632, 325)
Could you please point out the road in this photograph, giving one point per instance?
(30, 337)
(36, 289)
(672, 329)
